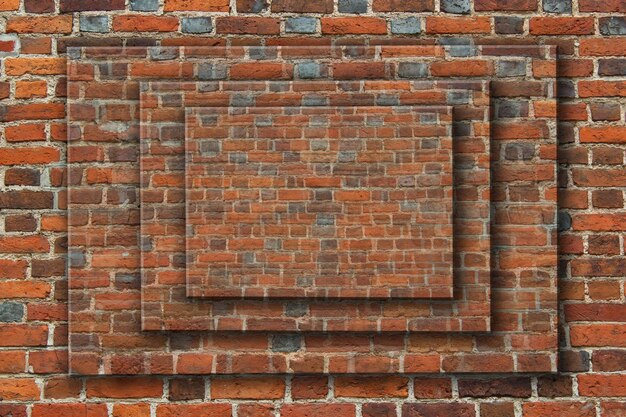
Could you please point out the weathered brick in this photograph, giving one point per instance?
(11, 312)
(451, 25)
(137, 23)
(89, 6)
(301, 24)
(302, 6)
(197, 5)
(561, 25)
(197, 25)
(144, 5)
(403, 5)
(354, 26)
(406, 26)
(605, 6)
(90, 23)
(456, 6)
(557, 6)
(509, 25)
(20, 223)
(248, 25)
(438, 410)
(185, 389)
(352, 6)
(39, 6)
(612, 67)
(54, 24)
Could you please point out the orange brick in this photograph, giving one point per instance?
(34, 155)
(25, 132)
(197, 5)
(70, 410)
(464, 25)
(561, 25)
(134, 23)
(247, 25)
(19, 389)
(9, 5)
(197, 410)
(54, 24)
(31, 89)
(368, 387)
(354, 26)
(35, 66)
(264, 388)
(118, 387)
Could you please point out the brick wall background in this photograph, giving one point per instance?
(591, 35)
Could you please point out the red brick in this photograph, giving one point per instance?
(35, 66)
(505, 5)
(136, 23)
(469, 68)
(596, 385)
(131, 410)
(62, 387)
(562, 25)
(49, 361)
(602, 47)
(247, 25)
(117, 387)
(263, 388)
(197, 410)
(354, 26)
(606, 134)
(34, 111)
(34, 155)
(19, 389)
(316, 410)
(70, 410)
(39, 6)
(602, 335)
(197, 5)
(12, 361)
(91, 5)
(403, 5)
(31, 89)
(450, 25)
(613, 409)
(25, 132)
(561, 409)
(371, 387)
(313, 387)
(438, 410)
(302, 6)
(606, 6)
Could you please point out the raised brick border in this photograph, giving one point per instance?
(469, 312)
(539, 321)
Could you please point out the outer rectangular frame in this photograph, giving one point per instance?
(164, 306)
(422, 199)
(522, 317)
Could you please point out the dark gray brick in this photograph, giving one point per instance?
(211, 72)
(98, 24)
(613, 25)
(456, 6)
(509, 25)
(144, 5)
(557, 6)
(352, 6)
(197, 25)
(286, 343)
(309, 70)
(519, 151)
(511, 68)
(413, 70)
(614, 67)
(11, 312)
(406, 26)
(301, 25)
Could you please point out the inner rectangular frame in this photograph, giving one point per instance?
(164, 305)
(318, 202)
(524, 336)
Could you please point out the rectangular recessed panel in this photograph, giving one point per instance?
(162, 140)
(105, 337)
(321, 202)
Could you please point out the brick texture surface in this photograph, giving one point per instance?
(306, 216)
(33, 246)
(469, 312)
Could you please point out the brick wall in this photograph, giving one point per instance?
(591, 36)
